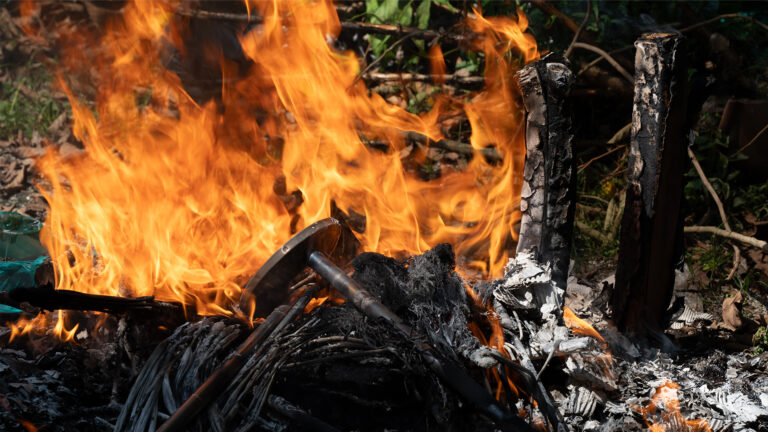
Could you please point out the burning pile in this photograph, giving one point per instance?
(182, 200)
(182, 194)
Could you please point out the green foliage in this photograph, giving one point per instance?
(20, 110)
(420, 102)
(760, 340)
(712, 151)
(752, 198)
(397, 12)
(714, 260)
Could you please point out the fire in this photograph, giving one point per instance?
(41, 324)
(178, 200)
(665, 407)
(27, 425)
(580, 326)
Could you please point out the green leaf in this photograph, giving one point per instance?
(381, 12)
(370, 8)
(422, 14)
(379, 45)
(404, 16)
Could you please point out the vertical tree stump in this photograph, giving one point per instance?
(651, 229)
(547, 200)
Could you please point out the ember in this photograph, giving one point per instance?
(663, 412)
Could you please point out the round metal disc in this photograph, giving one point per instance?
(270, 283)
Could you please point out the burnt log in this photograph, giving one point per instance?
(651, 239)
(547, 199)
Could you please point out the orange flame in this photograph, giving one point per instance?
(179, 201)
(40, 324)
(580, 326)
(495, 341)
(27, 425)
(665, 407)
(437, 64)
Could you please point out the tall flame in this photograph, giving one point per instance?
(178, 200)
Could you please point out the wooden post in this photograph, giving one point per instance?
(651, 230)
(547, 200)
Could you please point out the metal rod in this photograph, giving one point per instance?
(218, 382)
(453, 375)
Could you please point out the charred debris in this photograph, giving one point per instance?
(410, 344)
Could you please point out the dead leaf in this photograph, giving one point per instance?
(732, 318)
(57, 124)
(11, 176)
(760, 259)
(67, 150)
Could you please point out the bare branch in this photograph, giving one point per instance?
(720, 209)
(578, 32)
(607, 57)
(751, 241)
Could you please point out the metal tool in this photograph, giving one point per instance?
(313, 248)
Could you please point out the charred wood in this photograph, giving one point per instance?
(547, 200)
(651, 231)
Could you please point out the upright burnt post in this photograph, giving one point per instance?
(651, 229)
(547, 199)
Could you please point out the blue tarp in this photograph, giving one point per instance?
(15, 274)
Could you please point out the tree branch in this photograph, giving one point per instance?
(578, 32)
(751, 241)
(607, 57)
(720, 209)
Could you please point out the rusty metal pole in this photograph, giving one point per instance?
(651, 241)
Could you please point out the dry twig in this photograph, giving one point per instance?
(607, 57)
(597, 235)
(587, 163)
(720, 209)
(414, 77)
(725, 16)
(752, 141)
(578, 32)
(381, 57)
(751, 241)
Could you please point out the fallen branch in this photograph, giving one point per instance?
(586, 164)
(607, 57)
(686, 29)
(363, 27)
(599, 59)
(455, 80)
(618, 136)
(597, 235)
(725, 16)
(549, 9)
(751, 241)
(752, 141)
(380, 58)
(489, 153)
(720, 209)
(621, 134)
